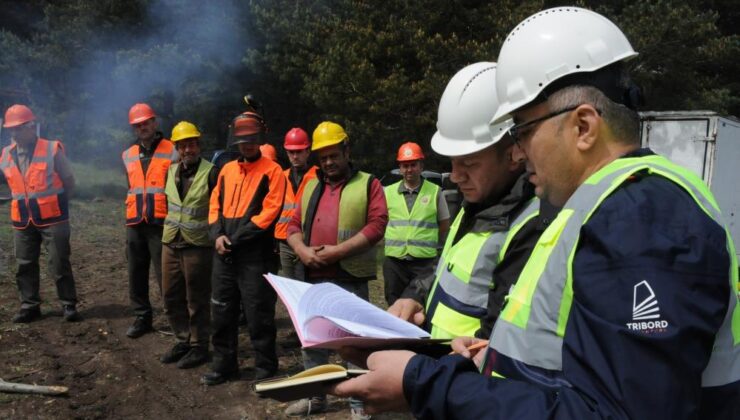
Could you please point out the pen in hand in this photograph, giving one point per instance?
(473, 349)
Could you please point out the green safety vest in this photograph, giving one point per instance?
(188, 216)
(532, 324)
(458, 299)
(414, 233)
(353, 204)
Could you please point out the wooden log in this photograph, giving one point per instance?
(32, 389)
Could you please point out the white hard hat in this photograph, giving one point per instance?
(549, 45)
(465, 111)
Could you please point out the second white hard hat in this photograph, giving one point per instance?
(465, 111)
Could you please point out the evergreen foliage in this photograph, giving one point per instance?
(376, 67)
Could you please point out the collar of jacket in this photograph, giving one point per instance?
(403, 189)
(548, 212)
(25, 150)
(189, 171)
(496, 217)
(245, 164)
(158, 136)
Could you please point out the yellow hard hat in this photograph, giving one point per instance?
(184, 130)
(327, 134)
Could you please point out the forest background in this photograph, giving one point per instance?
(376, 67)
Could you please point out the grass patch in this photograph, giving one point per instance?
(96, 182)
(98, 221)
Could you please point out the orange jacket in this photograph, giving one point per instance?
(146, 200)
(38, 195)
(246, 201)
(291, 201)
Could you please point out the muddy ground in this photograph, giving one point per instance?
(108, 374)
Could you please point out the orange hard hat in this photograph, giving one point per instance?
(248, 124)
(409, 151)
(269, 151)
(140, 113)
(296, 139)
(17, 115)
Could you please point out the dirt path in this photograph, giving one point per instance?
(110, 375)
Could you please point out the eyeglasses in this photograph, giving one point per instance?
(517, 131)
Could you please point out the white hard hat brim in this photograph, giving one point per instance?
(460, 147)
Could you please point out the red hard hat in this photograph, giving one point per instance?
(17, 115)
(248, 124)
(296, 139)
(409, 151)
(269, 151)
(140, 113)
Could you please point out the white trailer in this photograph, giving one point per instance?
(706, 143)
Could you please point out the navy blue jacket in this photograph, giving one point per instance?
(648, 229)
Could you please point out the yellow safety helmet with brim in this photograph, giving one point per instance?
(328, 134)
(184, 130)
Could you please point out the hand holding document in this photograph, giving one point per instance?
(304, 384)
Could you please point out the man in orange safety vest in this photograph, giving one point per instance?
(40, 180)
(147, 162)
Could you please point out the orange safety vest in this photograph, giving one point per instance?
(146, 200)
(291, 201)
(38, 196)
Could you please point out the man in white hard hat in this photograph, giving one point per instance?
(494, 233)
(628, 306)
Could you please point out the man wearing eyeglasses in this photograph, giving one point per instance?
(628, 306)
(40, 179)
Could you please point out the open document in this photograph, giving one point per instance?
(327, 316)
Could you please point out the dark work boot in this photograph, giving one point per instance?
(262, 373)
(70, 314)
(217, 378)
(141, 326)
(176, 353)
(197, 356)
(26, 315)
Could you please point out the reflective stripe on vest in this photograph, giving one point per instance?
(414, 233)
(291, 201)
(353, 206)
(532, 324)
(146, 200)
(459, 296)
(189, 216)
(38, 195)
